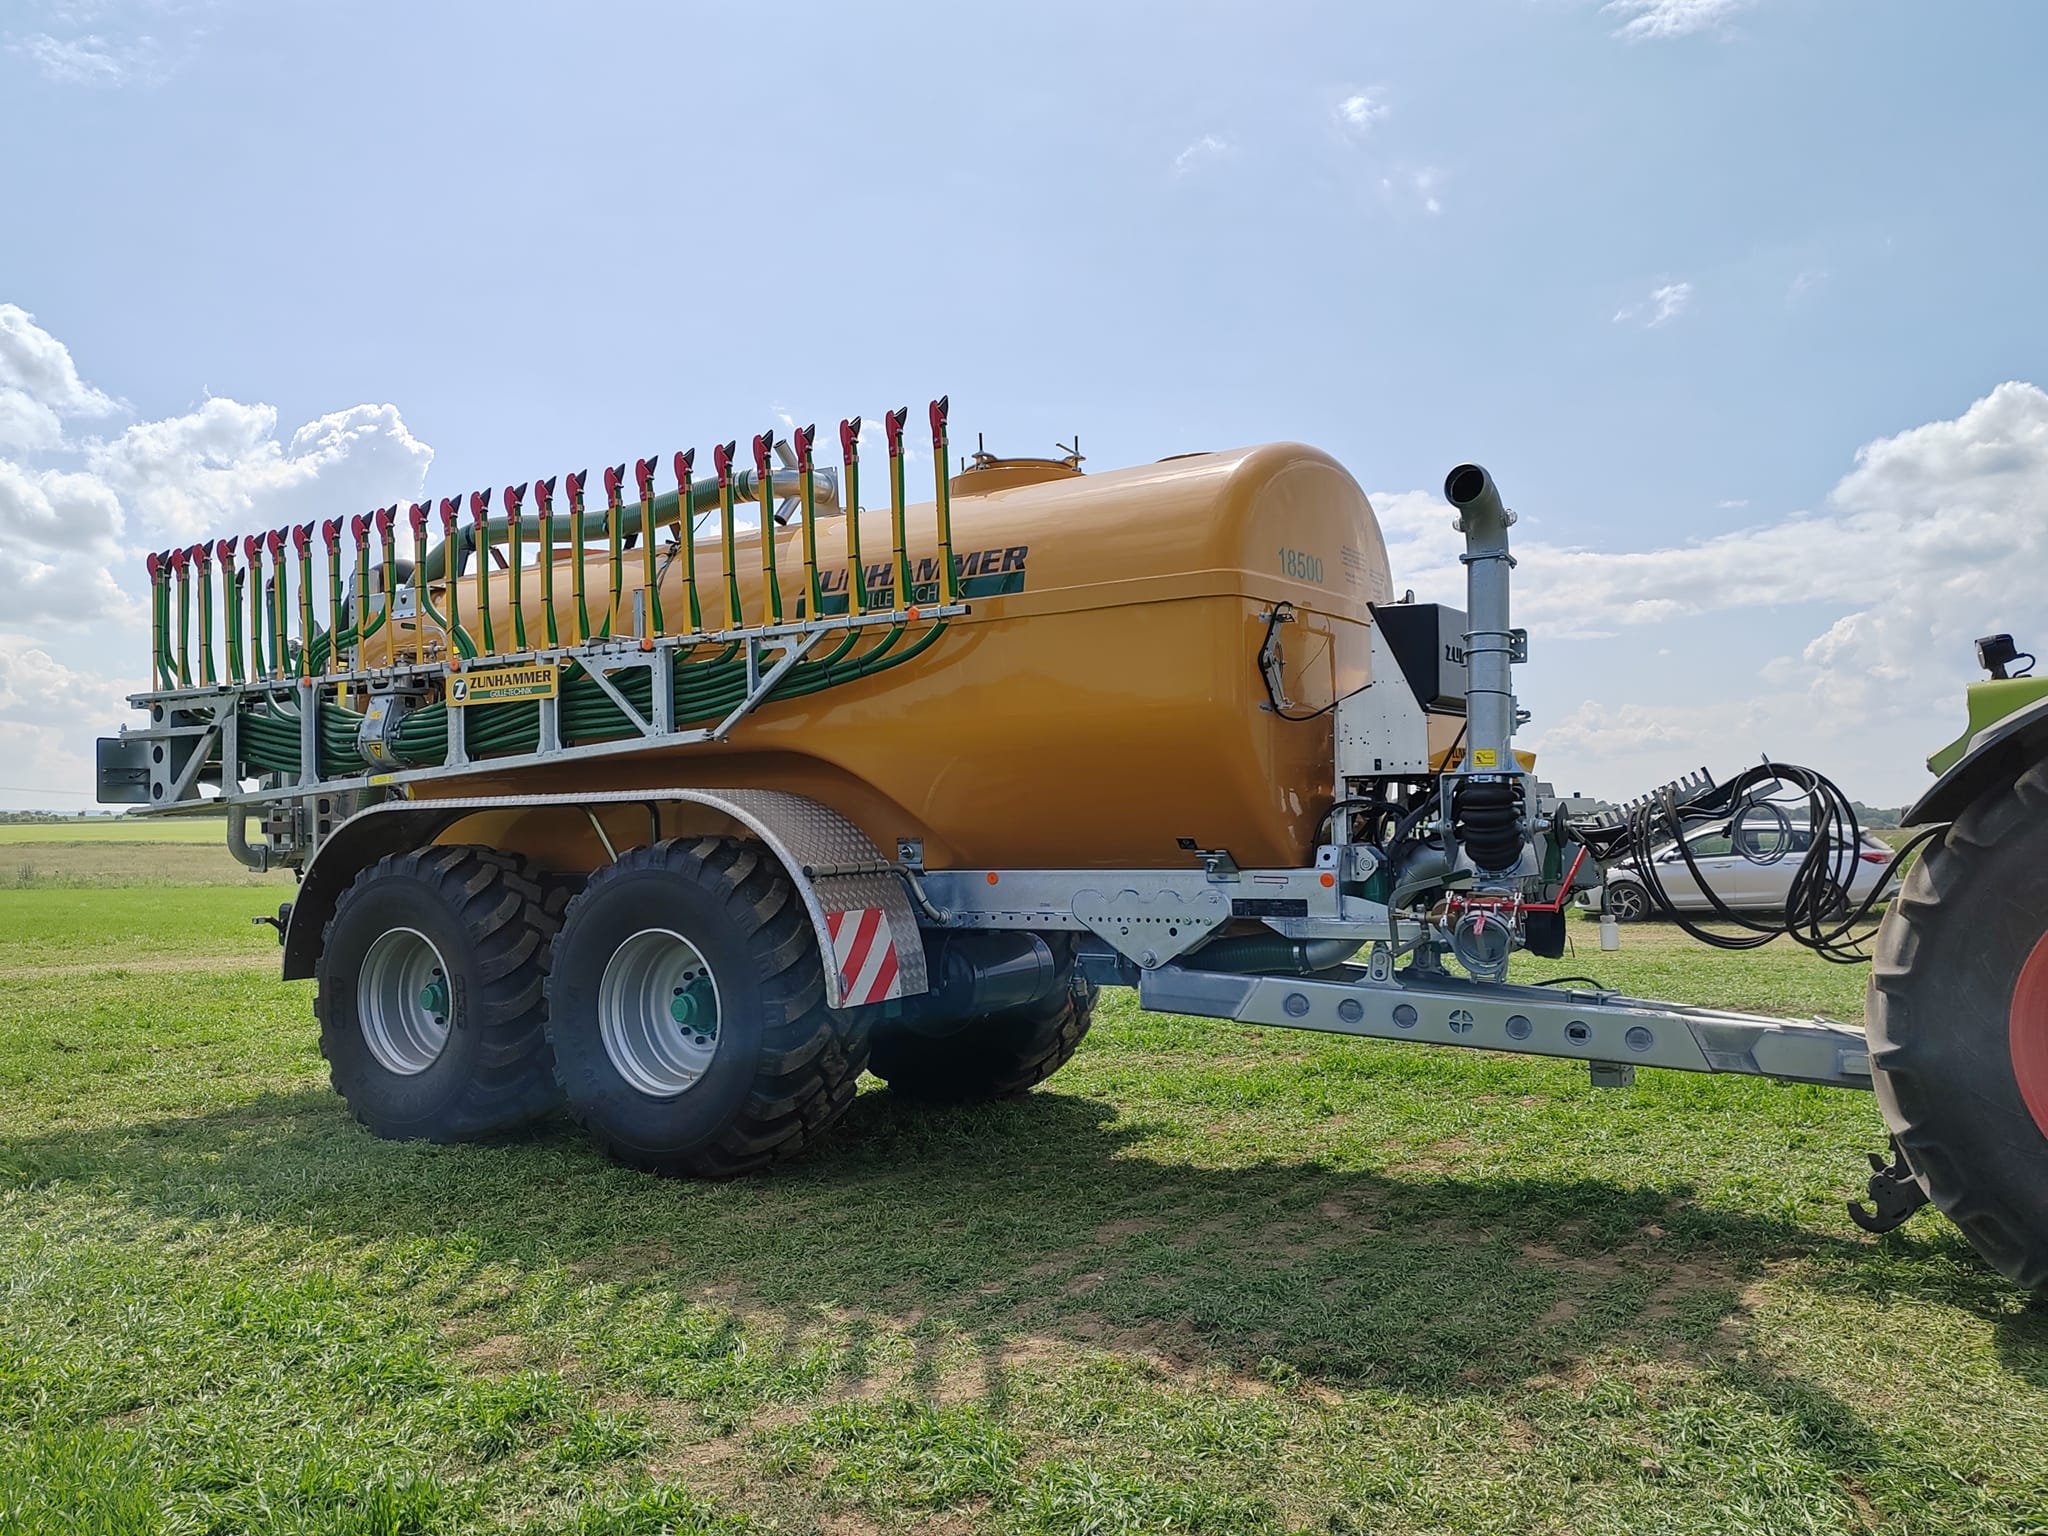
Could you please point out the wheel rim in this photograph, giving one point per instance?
(658, 1012)
(2027, 1033)
(403, 1002)
(1627, 901)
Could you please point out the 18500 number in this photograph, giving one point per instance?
(1301, 565)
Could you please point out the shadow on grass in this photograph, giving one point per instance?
(1018, 1225)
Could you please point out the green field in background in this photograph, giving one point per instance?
(118, 829)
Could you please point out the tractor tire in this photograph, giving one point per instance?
(686, 1007)
(998, 1055)
(1958, 1025)
(430, 994)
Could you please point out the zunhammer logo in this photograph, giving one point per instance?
(496, 685)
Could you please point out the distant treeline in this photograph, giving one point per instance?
(36, 818)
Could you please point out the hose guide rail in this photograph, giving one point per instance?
(270, 687)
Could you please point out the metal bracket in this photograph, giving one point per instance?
(1894, 1194)
(1151, 927)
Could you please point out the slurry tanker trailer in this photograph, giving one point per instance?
(684, 818)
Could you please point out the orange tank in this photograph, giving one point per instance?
(1108, 714)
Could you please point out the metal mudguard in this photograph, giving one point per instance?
(836, 870)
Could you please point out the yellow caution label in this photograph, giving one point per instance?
(494, 685)
(1485, 757)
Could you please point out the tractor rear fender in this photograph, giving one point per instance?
(1997, 756)
(838, 873)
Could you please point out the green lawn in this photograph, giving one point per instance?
(1209, 1279)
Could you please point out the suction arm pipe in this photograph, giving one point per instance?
(1489, 646)
(632, 517)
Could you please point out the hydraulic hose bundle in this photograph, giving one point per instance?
(1818, 912)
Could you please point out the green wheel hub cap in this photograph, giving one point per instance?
(695, 1007)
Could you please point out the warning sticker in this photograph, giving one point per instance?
(497, 684)
(1485, 757)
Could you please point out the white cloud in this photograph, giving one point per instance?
(1207, 148)
(49, 714)
(1357, 113)
(1650, 19)
(26, 423)
(90, 59)
(1805, 284)
(221, 467)
(1419, 184)
(1913, 555)
(78, 511)
(1665, 303)
(40, 366)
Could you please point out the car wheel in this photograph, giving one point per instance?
(1628, 902)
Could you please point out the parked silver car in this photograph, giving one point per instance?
(1750, 868)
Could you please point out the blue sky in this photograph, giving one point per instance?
(1667, 266)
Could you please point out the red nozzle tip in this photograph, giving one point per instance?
(544, 490)
(275, 539)
(685, 462)
(153, 563)
(514, 494)
(330, 532)
(892, 422)
(849, 437)
(252, 545)
(383, 519)
(614, 477)
(643, 476)
(801, 439)
(939, 408)
(358, 527)
(176, 558)
(721, 459)
(202, 555)
(574, 488)
(302, 538)
(763, 443)
(226, 549)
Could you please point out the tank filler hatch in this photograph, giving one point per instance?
(985, 472)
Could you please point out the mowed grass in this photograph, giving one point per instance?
(125, 851)
(117, 829)
(1208, 1279)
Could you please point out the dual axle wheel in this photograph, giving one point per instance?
(677, 1005)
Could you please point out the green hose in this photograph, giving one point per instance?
(704, 692)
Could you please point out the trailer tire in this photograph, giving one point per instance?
(998, 1055)
(686, 1006)
(1958, 1025)
(474, 926)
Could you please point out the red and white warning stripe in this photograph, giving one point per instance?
(865, 955)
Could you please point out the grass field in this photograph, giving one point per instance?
(1207, 1280)
(117, 829)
